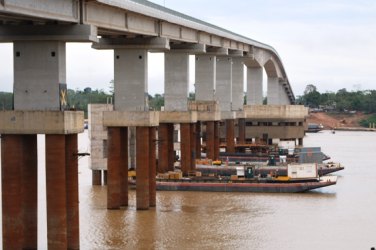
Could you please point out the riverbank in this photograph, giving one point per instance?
(340, 121)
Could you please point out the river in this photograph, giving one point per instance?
(337, 217)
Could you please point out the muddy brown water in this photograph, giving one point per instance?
(336, 217)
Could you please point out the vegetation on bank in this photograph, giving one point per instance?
(342, 101)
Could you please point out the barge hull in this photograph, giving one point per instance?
(245, 187)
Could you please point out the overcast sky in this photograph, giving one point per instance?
(328, 43)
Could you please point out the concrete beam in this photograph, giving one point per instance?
(154, 44)
(41, 122)
(178, 117)
(228, 115)
(62, 10)
(130, 118)
(284, 112)
(235, 53)
(206, 110)
(64, 33)
(217, 51)
(191, 48)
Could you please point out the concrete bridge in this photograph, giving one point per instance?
(39, 30)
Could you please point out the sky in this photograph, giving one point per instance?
(328, 43)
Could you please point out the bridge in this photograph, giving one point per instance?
(39, 31)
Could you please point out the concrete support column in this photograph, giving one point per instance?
(152, 167)
(230, 136)
(193, 146)
(237, 83)
(205, 77)
(123, 166)
(241, 126)
(210, 138)
(71, 161)
(273, 90)
(114, 168)
(185, 147)
(216, 140)
(39, 75)
(19, 191)
(198, 140)
(254, 86)
(223, 92)
(142, 168)
(176, 81)
(130, 79)
(96, 177)
(56, 192)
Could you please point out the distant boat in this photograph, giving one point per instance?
(314, 128)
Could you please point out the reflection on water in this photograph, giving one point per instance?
(336, 217)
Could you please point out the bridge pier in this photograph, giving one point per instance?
(19, 191)
(176, 105)
(40, 97)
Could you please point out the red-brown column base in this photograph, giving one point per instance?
(56, 192)
(198, 140)
(230, 131)
(210, 140)
(193, 146)
(171, 152)
(71, 157)
(185, 147)
(163, 148)
(96, 177)
(114, 168)
(19, 191)
(123, 166)
(104, 177)
(241, 125)
(152, 167)
(216, 140)
(142, 168)
(30, 191)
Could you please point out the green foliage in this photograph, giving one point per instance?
(6, 101)
(366, 122)
(343, 100)
(78, 99)
(156, 102)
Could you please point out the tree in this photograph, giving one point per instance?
(309, 89)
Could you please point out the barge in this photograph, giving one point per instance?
(247, 185)
(299, 178)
